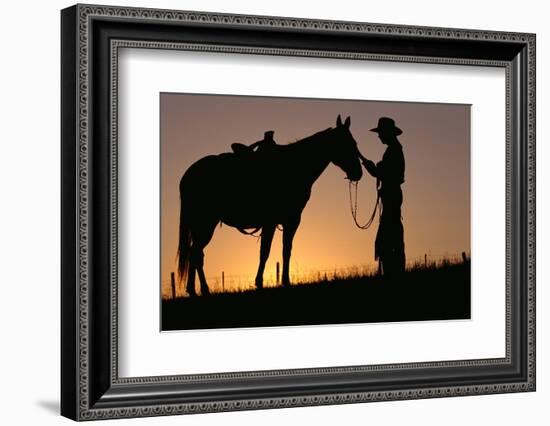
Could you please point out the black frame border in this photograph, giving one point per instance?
(90, 387)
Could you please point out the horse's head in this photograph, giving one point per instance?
(344, 152)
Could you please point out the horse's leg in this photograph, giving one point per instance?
(191, 280)
(289, 230)
(267, 238)
(201, 238)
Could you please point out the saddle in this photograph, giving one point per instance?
(241, 149)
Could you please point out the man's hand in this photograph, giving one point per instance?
(369, 165)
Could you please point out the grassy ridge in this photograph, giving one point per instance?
(439, 292)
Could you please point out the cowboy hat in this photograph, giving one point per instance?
(387, 126)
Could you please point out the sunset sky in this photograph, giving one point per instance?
(436, 206)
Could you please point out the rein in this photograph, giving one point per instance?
(353, 207)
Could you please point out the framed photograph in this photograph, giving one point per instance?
(263, 212)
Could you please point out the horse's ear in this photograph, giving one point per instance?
(339, 121)
(348, 122)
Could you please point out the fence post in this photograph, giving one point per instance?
(425, 261)
(277, 273)
(464, 259)
(173, 281)
(223, 281)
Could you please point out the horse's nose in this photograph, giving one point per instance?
(355, 175)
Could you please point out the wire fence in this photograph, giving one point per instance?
(224, 282)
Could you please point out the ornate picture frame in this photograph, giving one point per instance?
(91, 37)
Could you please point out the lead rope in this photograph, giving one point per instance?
(353, 207)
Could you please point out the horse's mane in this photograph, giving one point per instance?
(308, 139)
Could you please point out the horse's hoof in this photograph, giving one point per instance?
(259, 285)
(205, 292)
(191, 293)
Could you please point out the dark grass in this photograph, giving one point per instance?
(435, 293)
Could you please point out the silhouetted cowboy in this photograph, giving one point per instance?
(263, 145)
(390, 174)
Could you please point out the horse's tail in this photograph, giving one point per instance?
(184, 240)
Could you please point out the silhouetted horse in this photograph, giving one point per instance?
(256, 191)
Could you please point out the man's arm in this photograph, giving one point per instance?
(368, 164)
(370, 167)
